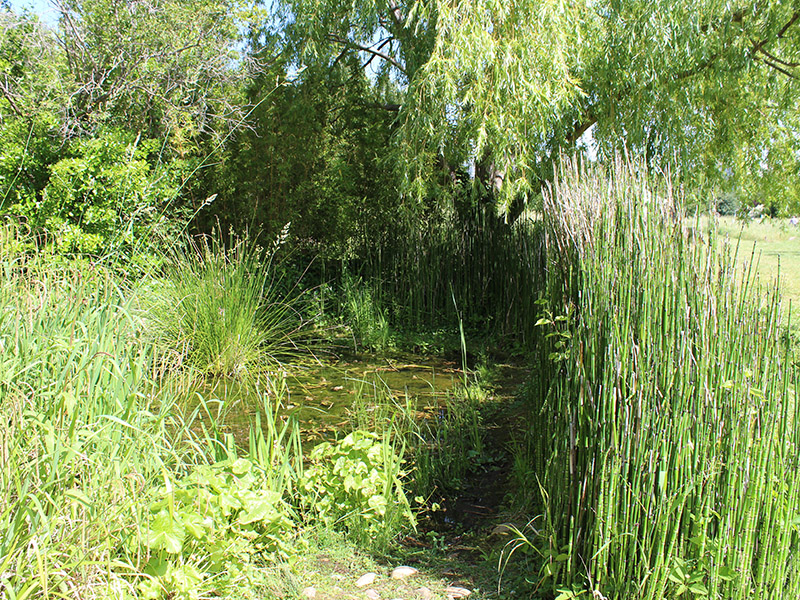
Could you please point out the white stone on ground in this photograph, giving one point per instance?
(424, 593)
(310, 592)
(372, 594)
(366, 579)
(402, 572)
(453, 591)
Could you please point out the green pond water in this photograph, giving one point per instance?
(321, 395)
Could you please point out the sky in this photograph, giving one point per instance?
(40, 7)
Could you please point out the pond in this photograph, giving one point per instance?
(321, 395)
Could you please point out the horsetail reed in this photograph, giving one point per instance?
(663, 412)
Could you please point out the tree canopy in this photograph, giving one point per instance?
(312, 110)
(511, 85)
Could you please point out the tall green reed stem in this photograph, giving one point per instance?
(667, 439)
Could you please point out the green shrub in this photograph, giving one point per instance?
(355, 485)
(106, 194)
(27, 149)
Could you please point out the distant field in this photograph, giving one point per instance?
(777, 249)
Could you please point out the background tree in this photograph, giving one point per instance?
(314, 154)
(511, 85)
(124, 101)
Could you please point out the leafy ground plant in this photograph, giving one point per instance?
(355, 484)
(205, 529)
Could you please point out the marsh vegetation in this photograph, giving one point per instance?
(293, 291)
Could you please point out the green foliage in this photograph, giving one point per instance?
(104, 473)
(355, 484)
(104, 195)
(510, 86)
(32, 67)
(450, 445)
(458, 264)
(662, 423)
(225, 310)
(210, 525)
(27, 149)
(180, 74)
(729, 204)
(364, 315)
(315, 155)
(85, 100)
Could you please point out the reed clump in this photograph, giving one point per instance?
(224, 311)
(663, 422)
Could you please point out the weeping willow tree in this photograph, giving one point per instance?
(507, 86)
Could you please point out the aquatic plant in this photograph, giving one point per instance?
(226, 311)
(364, 315)
(663, 425)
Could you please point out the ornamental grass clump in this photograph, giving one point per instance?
(225, 311)
(664, 435)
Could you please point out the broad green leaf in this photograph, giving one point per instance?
(165, 533)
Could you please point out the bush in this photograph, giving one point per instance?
(107, 194)
(355, 485)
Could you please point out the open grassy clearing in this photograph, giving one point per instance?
(774, 247)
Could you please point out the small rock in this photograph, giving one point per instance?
(309, 592)
(372, 594)
(424, 593)
(337, 576)
(338, 388)
(453, 591)
(403, 572)
(366, 579)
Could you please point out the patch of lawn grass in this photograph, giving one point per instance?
(774, 247)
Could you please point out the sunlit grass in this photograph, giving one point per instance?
(223, 311)
(773, 245)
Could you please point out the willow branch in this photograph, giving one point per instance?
(369, 50)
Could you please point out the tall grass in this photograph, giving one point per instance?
(663, 425)
(364, 314)
(443, 447)
(81, 435)
(226, 311)
(490, 268)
